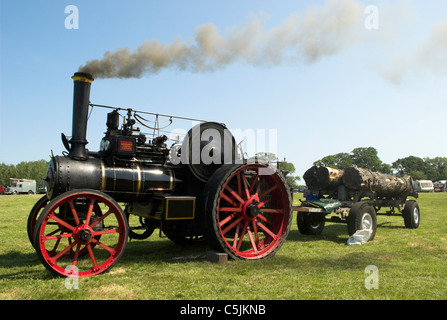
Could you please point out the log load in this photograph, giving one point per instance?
(359, 179)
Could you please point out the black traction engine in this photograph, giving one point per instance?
(196, 191)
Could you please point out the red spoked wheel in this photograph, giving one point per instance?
(70, 223)
(249, 210)
(34, 214)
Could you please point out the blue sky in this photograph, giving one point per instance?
(386, 89)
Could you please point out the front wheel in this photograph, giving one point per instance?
(362, 216)
(70, 224)
(248, 208)
(310, 223)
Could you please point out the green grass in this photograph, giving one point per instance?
(412, 264)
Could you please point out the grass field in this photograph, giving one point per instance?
(411, 264)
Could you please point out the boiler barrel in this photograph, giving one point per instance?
(123, 183)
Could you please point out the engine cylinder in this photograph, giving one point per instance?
(132, 181)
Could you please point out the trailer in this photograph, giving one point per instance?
(356, 197)
(424, 186)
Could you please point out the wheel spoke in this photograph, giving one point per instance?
(59, 236)
(90, 210)
(266, 210)
(252, 240)
(54, 232)
(62, 222)
(244, 180)
(241, 238)
(255, 230)
(236, 235)
(107, 231)
(74, 212)
(268, 231)
(76, 256)
(101, 218)
(229, 209)
(263, 218)
(102, 245)
(239, 187)
(223, 195)
(268, 191)
(234, 194)
(261, 204)
(253, 183)
(92, 257)
(56, 245)
(64, 251)
(227, 219)
(232, 225)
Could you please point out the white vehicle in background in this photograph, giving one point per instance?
(18, 186)
(423, 186)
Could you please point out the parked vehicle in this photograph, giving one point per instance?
(440, 186)
(423, 186)
(21, 186)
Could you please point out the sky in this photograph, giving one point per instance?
(314, 78)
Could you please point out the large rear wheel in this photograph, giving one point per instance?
(70, 225)
(248, 209)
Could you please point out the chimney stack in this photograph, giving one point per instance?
(81, 101)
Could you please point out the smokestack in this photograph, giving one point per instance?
(81, 100)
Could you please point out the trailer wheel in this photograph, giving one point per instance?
(362, 216)
(249, 212)
(411, 214)
(33, 215)
(69, 224)
(310, 223)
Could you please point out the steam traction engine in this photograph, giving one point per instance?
(79, 229)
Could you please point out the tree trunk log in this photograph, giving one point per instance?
(323, 178)
(359, 179)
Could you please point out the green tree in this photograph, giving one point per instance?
(34, 170)
(367, 158)
(410, 164)
(286, 167)
(340, 161)
(436, 168)
(422, 169)
(361, 157)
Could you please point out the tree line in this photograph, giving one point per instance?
(418, 168)
(34, 170)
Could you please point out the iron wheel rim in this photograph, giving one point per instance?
(253, 212)
(101, 246)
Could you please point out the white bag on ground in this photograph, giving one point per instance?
(359, 237)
